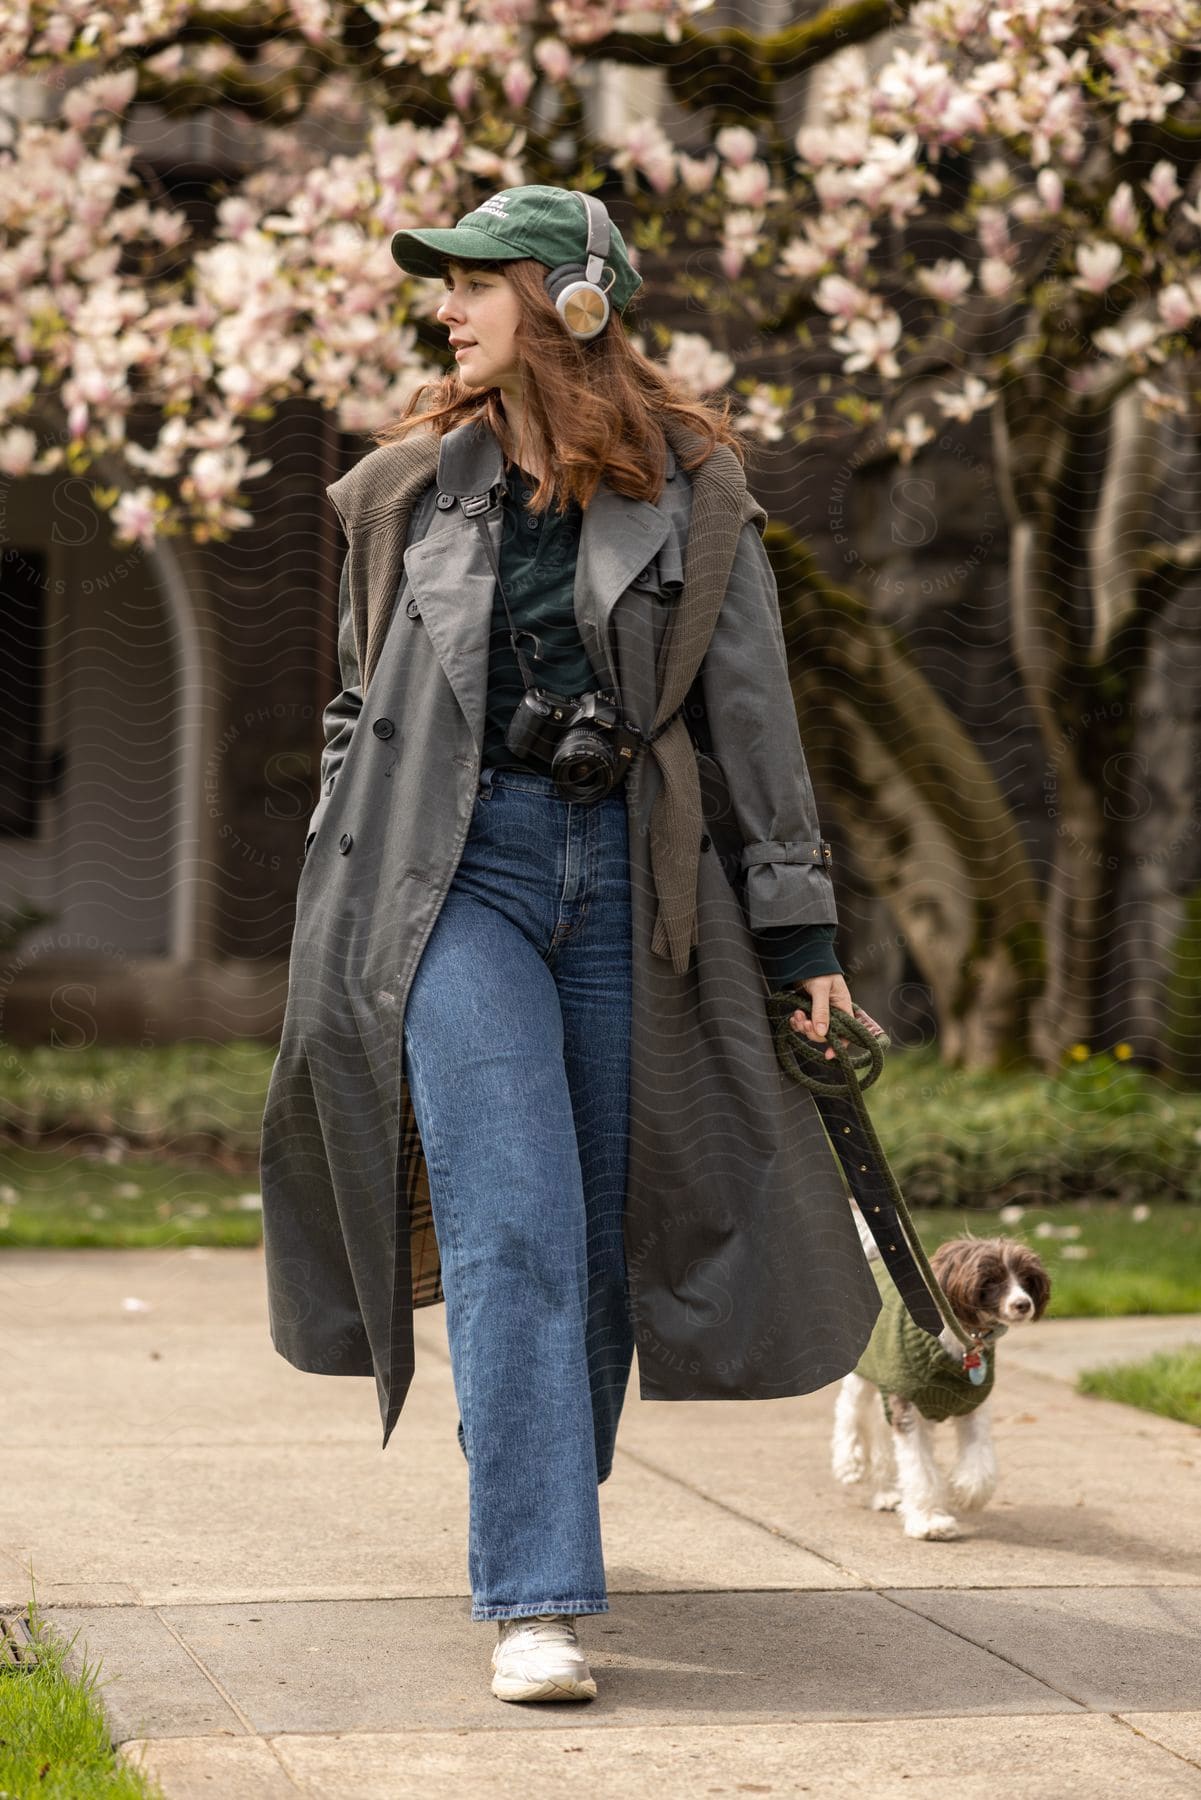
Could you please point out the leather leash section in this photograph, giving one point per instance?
(837, 1086)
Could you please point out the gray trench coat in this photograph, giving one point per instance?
(747, 1276)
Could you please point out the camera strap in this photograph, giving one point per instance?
(478, 507)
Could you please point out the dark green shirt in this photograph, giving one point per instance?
(537, 567)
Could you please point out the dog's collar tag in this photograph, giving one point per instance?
(974, 1363)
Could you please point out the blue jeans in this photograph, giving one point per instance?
(516, 1052)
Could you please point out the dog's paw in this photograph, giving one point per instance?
(939, 1525)
(886, 1500)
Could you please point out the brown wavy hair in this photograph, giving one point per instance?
(596, 404)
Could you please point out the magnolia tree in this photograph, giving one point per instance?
(1054, 144)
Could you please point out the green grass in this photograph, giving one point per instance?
(1100, 1128)
(54, 1738)
(181, 1099)
(1148, 1264)
(1167, 1383)
(1114, 1263)
(57, 1197)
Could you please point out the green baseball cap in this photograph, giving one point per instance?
(547, 223)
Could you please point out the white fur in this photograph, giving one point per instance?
(897, 1460)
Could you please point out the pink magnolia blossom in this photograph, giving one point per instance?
(1049, 184)
(518, 82)
(1163, 185)
(697, 173)
(750, 185)
(996, 277)
(555, 59)
(910, 438)
(136, 517)
(842, 298)
(113, 306)
(1134, 341)
(645, 146)
(736, 145)
(801, 259)
(1160, 404)
(741, 237)
(763, 414)
(1178, 307)
(868, 344)
(1121, 215)
(462, 86)
(1099, 264)
(946, 280)
(692, 360)
(18, 447)
(974, 396)
(992, 229)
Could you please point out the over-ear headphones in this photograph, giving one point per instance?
(580, 301)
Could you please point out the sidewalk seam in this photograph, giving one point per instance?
(914, 1612)
(1189, 1762)
(228, 1698)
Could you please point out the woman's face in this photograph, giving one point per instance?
(481, 309)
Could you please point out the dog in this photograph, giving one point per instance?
(887, 1434)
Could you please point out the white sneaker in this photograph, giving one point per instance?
(539, 1658)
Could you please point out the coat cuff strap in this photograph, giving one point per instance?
(788, 883)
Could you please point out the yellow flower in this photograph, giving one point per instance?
(1123, 1052)
(1079, 1053)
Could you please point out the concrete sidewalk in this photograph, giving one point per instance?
(281, 1608)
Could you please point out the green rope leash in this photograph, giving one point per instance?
(861, 1059)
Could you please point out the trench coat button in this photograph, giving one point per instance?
(412, 608)
(383, 728)
(344, 842)
(706, 840)
(444, 501)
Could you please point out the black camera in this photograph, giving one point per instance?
(589, 748)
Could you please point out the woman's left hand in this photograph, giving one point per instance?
(827, 991)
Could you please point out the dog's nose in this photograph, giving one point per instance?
(1023, 1305)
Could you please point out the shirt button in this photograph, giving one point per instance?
(444, 501)
(412, 607)
(706, 840)
(383, 728)
(344, 842)
(532, 523)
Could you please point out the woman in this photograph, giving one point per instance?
(592, 1122)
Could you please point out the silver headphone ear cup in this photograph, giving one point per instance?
(583, 308)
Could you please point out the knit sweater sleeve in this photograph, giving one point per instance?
(790, 953)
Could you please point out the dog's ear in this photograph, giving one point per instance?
(959, 1264)
(1032, 1274)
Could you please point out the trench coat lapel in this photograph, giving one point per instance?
(453, 584)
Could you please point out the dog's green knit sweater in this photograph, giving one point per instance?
(903, 1359)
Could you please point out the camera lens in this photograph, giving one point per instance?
(583, 765)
